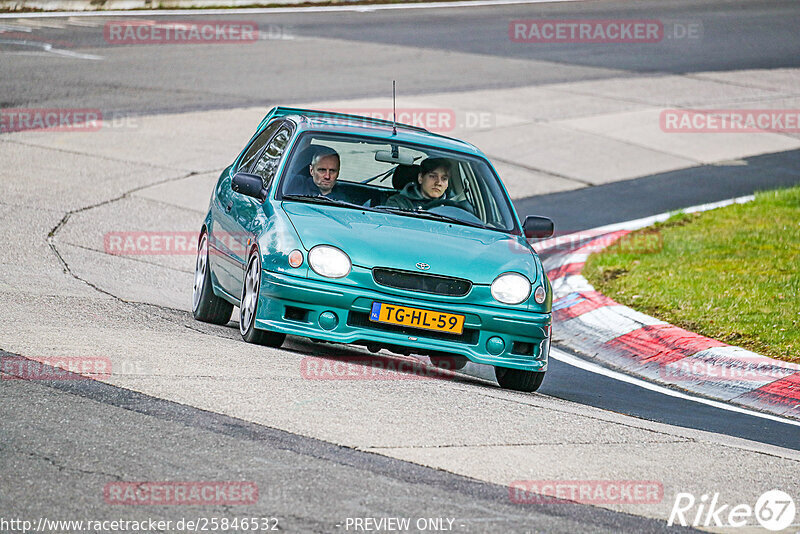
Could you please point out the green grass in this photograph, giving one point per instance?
(732, 273)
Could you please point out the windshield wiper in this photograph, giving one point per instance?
(431, 215)
(327, 200)
(386, 173)
(381, 176)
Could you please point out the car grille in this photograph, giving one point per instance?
(424, 283)
(360, 319)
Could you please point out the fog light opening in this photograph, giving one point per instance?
(328, 320)
(495, 346)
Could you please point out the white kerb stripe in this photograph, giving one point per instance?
(570, 284)
(610, 322)
(738, 354)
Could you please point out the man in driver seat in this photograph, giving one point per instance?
(430, 188)
(324, 171)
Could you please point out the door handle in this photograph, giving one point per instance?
(229, 206)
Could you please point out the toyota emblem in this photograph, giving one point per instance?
(423, 266)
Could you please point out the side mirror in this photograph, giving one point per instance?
(536, 227)
(250, 185)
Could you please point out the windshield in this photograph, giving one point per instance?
(408, 180)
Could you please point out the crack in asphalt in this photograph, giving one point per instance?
(706, 78)
(62, 468)
(598, 135)
(654, 75)
(51, 235)
(540, 170)
(183, 319)
(131, 258)
(21, 205)
(170, 204)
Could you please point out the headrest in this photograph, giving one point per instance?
(404, 174)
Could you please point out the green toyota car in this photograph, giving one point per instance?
(356, 230)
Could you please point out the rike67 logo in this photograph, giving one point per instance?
(774, 510)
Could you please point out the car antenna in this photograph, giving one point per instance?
(394, 110)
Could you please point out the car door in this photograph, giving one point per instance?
(248, 213)
(225, 255)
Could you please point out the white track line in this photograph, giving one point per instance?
(15, 28)
(580, 363)
(267, 10)
(47, 47)
(70, 53)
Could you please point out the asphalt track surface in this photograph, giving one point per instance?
(196, 444)
(125, 435)
(736, 34)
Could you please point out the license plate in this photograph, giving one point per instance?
(416, 318)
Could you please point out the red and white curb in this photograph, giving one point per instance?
(618, 336)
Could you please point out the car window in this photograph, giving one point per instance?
(370, 175)
(267, 164)
(256, 146)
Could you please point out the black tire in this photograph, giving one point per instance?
(518, 380)
(206, 306)
(248, 307)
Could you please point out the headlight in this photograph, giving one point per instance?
(540, 294)
(511, 288)
(329, 261)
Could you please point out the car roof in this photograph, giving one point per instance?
(328, 121)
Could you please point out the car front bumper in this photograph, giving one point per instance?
(295, 306)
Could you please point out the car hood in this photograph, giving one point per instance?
(374, 239)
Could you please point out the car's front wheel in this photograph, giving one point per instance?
(206, 306)
(518, 380)
(249, 307)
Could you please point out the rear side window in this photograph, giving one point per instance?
(256, 146)
(267, 164)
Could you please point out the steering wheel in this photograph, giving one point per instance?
(449, 205)
(444, 202)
